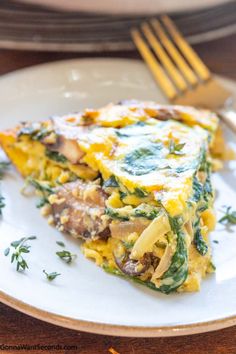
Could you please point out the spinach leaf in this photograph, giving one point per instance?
(35, 131)
(144, 159)
(207, 188)
(178, 270)
(122, 195)
(175, 223)
(132, 130)
(40, 186)
(172, 278)
(148, 214)
(199, 242)
(56, 156)
(197, 189)
(139, 192)
(114, 214)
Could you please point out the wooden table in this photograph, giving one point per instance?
(16, 328)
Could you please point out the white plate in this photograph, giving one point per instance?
(85, 297)
(127, 6)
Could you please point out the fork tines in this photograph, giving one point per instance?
(174, 64)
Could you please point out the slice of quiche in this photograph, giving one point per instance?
(132, 180)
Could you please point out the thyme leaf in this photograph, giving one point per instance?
(60, 243)
(229, 217)
(66, 256)
(51, 276)
(175, 149)
(3, 166)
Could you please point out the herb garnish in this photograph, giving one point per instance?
(230, 216)
(20, 247)
(175, 149)
(60, 243)
(51, 276)
(3, 166)
(2, 204)
(66, 256)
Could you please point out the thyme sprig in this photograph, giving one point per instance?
(3, 167)
(229, 217)
(175, 149)
(51, 276)
(2, 204)
(60, 243)
(66, 256)
(20, 248)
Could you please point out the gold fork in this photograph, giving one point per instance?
(178, 70)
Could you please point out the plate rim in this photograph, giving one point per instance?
(99, 327)
(116, 330)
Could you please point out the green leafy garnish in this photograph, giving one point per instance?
(66, 256)
(215, 241)
(2, 204)
(51, 276)
(56, 156)
(230, 216)
(212, 265)
(175, 149)
(20, 247)
(3, 167)
(60, 243)
(7, 251)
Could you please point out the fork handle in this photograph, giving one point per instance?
(228, 115)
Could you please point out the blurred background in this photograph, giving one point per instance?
(94, 26)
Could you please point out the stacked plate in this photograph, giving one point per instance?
(28, 26)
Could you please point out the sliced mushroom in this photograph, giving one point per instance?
(120, 230)
(78, 208)
(67, 147)
(131, 267)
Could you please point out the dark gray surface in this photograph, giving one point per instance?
(31, 27)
